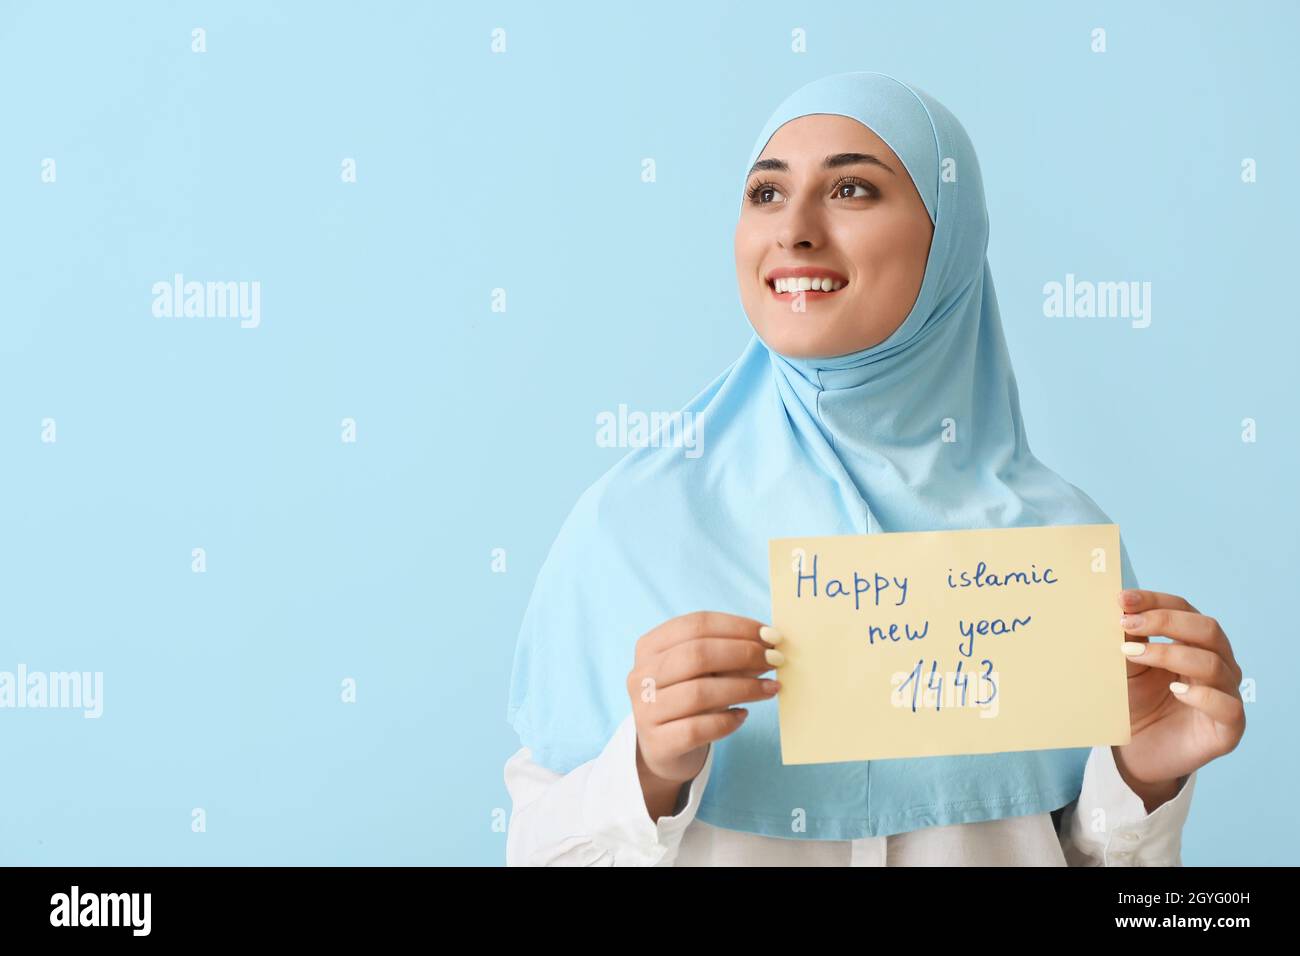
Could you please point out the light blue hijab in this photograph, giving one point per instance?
(848, 445)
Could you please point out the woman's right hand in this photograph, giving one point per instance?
(688, 672)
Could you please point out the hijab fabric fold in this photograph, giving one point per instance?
(803, 447)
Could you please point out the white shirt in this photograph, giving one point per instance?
(595, 815)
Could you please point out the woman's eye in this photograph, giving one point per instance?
(865, 192)
(763, 194)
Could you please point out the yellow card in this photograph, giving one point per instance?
(931, 643)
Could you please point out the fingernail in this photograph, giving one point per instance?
(1128, 621)
(1133, 648)
(769, 634)
(743, 713)
(775, 658)
(771, 686)
(1178, 687)
(1129, 597)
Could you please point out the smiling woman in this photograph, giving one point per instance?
(861, 264)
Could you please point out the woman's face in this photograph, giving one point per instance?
(827, 199)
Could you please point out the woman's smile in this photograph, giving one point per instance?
(813, 282)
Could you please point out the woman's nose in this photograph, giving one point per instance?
(800, 227)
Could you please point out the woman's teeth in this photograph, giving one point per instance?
(807, 284)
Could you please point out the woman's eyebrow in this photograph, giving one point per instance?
(831, 162)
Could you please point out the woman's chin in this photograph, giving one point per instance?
(800, 336)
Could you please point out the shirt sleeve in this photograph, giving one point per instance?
(595, 815)
(1108, 824)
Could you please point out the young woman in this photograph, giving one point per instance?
(861, 263)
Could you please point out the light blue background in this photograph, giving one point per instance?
(476, 430)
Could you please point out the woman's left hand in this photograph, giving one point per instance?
(1173, 732)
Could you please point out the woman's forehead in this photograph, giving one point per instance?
(801, 128)
(817, 135)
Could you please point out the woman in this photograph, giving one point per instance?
(860, 257)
